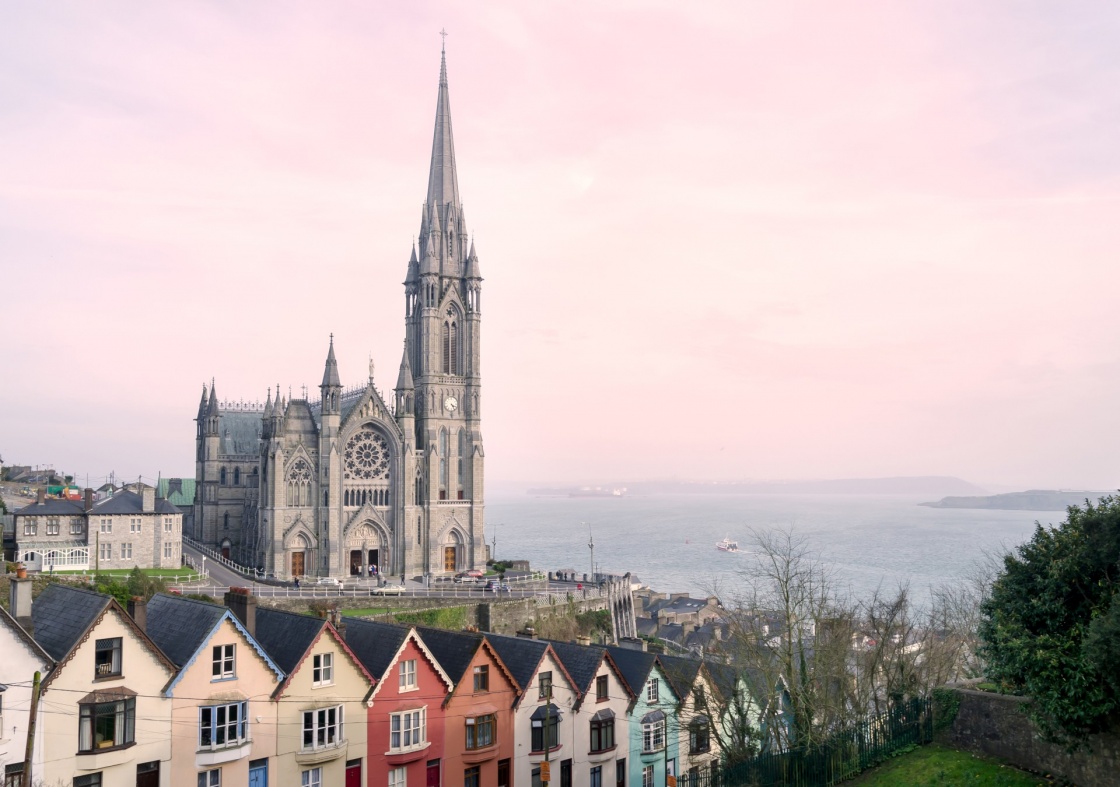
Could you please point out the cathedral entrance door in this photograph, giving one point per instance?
(449, 561)
(355, 562)
(373, 560)
(297, 564)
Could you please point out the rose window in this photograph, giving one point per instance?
(367, 455)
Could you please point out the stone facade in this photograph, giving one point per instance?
(355, 479)
(124, 531)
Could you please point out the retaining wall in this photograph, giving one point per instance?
(995, 725)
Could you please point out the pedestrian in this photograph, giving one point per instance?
(297, 583)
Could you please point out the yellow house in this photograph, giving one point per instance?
(321, 706)
(223, 720)
(104, 717)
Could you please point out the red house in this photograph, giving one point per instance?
(406, 717)
(479, 746)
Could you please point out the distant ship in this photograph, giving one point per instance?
(727, 545)
(598, 491)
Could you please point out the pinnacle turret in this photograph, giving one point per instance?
(404, 379)
(212, 407)
(472, 271)
(330, 372)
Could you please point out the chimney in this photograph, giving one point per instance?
(339, 623)
(88, 503)
(527, 633)
(147, 499)
(138, 611)
(243, 604)
(583, 640)
(42, 497)
(19, 602)
(632, 643)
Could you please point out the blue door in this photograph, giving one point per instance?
(258, 773)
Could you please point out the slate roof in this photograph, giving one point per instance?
(681, 672)
(131, 503)
(581, 662)
(286, 636)
(179, 625)
(635, 665)
(62, 614)
(452, 649)
(52, 506)
(522, 656)
(240, 431)
(375, 644)
(21, 634)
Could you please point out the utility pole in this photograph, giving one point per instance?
(29, 750)
(546, 771)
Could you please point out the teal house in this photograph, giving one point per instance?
(654, 732)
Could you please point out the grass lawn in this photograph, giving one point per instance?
(361, 613)
(932, 765)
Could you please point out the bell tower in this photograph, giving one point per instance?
(443, 293)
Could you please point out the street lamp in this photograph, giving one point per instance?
(591, 546)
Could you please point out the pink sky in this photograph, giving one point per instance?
(741, 240)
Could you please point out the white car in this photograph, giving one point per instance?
(329, 581)
(387, 590)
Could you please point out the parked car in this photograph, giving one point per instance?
(329, 581)
(387, 590)
(469, 577)
(494, 586)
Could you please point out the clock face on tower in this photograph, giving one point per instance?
(450, 403)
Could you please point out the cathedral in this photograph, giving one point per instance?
(356, 483)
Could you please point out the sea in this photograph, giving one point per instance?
(669, 541)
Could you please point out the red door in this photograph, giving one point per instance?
(354, 774)
(433, 773)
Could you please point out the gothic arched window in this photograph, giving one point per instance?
(237, 476)
(223, 477)
(462, 453)
(299, 484)
(451, 344)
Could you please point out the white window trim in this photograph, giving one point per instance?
(323, 664)
(407, 676)
(221, 659)
(339, 737)
(421, 743)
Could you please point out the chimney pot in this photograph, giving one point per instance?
(88, 503)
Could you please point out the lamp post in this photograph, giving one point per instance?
(591, 546)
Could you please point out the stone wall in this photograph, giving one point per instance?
(501, 617)
(995, 725)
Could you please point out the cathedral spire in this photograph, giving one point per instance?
(330, 373)
(443, 183)
(212, 409)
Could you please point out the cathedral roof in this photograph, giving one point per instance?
(240, 431)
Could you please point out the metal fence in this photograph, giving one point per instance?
(841, 757)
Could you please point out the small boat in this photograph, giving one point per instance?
(727, 545)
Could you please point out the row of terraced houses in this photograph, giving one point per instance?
(185, 693)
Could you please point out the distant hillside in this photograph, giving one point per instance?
(913, 485)
(1032, 500)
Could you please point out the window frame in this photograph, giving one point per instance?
(648, 775)
(538, 732)
(210, 778)
(124, 724)
(114, 646)
(602, 688)
(653, 690)
(217, 728)
(481, 731)
(219, 661)
(406, 675)
(398, 777)
(415, 730)
(602, 729)
(326, 730)
(697, 729)
(311, 777)
(544, 684)
(653, 736)
(481, 678)
(322, 670)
